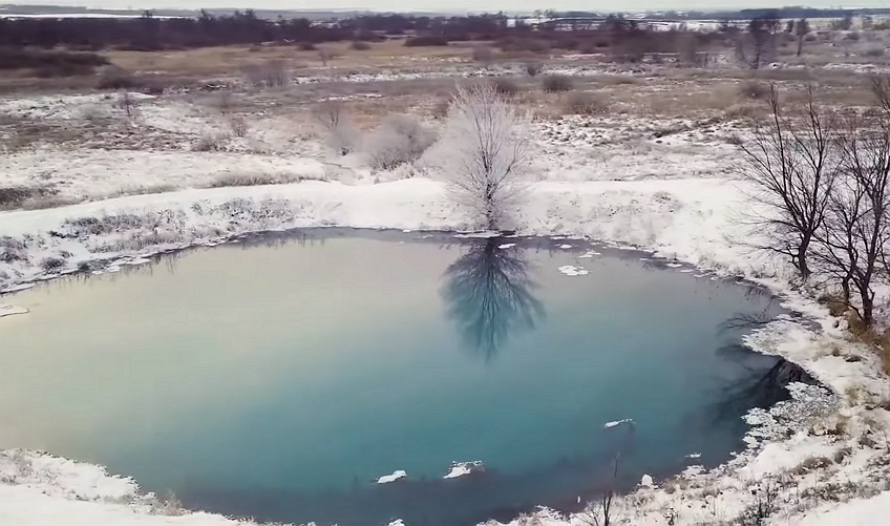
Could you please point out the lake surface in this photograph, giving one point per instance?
(281, 376)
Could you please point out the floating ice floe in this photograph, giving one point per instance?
(590, 254)
(462, 469)
(694, 455)
(647, 482)
(136, 261)
(507, 245)
(565, 247)
(674, 265)
(397, 522)
(571, 270)
(396, 475)
(12, 310)
(616, 423)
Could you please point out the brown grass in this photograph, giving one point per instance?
(879, 341)
(226, 59)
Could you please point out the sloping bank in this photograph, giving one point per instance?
(819, 447)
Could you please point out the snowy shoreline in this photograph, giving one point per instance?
(687, 220)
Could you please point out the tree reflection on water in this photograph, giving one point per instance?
(488, 293)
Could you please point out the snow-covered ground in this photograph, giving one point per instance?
(665, 187)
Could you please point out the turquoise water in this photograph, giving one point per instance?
(278, 378)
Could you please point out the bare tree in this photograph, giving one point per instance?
(757, 46)
(486, 145)
(857, 227)
(341, 133)
(801, 30)
(792, 164)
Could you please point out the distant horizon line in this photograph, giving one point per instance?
(419, 11)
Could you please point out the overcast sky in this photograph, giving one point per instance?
(451, 5)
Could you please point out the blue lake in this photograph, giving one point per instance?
(279, 377)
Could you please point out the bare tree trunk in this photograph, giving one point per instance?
(792, 164)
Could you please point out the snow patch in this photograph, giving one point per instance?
(616, 423)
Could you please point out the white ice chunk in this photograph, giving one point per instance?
(571, 270)
(616, 423)
(462, 469)
(396, 475)
(11, 310)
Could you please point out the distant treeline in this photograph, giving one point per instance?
(150, 32)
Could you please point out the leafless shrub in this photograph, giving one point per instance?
(505, 86)
(11, 250)
(557, 83)
(757, 46)
(400, 139)
(223, 100)
(50, 264)
(765, 506)
(169, 506)
(742, 112)
(325, 56)
(239, 126)
(115, 78)
(873, 51)
(487, 145)
(257, 179)
(792, 166)
(533, 69)
(585, 103)
(689, 52)
(95, 113)
(337, 125)
(211, 142)
(43, 202)
(127, 103)
(483, 54)
(440, 108)
(753, 90)
(31, 198)
(272, 74)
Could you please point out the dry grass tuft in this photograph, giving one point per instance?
(585, 103)
(259, 179)
(211, 142)
(879, 341)
(557, 83)
(753, 90)
(505, 86)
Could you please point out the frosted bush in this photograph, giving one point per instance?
(400, 139)
(338, 129)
